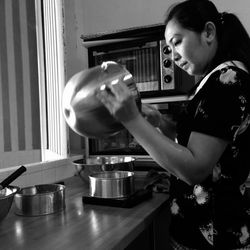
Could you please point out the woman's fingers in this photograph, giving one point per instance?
(151, 114)
(120, 90)
(106, 97)
(119, 100)
(115, 92)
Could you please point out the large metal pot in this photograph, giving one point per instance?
(106, 163)
(92, 165)
(83, 112)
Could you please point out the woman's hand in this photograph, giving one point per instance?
(163, 122)
(151, 114)
(118, 99)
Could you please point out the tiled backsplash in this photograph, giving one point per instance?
(42, 173)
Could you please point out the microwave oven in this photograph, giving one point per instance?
(160, 82)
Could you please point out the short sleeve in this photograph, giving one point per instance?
(223, 104)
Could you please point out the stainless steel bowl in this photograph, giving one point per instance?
(83, 112)
(111, 184)
(6, 199)
(40, 200)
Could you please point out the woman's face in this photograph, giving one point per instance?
(191, 51)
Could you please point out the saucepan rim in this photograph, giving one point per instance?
(112, 175)
(56, 188)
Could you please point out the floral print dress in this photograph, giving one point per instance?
(215, 214)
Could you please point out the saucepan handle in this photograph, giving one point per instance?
(12, 177)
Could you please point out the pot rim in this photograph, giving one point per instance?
(105, 175)
(104, 160)
(60, 188)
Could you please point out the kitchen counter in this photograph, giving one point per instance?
(86, 226)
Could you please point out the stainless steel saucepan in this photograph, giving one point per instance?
(40, 200)
(111, 184)
(93, 165)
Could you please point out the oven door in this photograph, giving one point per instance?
(124, 143)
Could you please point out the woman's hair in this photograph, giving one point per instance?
(233, 39)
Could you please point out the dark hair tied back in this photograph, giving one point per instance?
(222, 17)
(193, 14)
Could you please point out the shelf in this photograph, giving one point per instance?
(154, 29)
(165, 99)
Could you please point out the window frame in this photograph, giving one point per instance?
(48, 152)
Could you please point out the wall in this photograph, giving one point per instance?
(108, 15)
(96, 16)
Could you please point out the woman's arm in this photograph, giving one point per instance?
(192, 164)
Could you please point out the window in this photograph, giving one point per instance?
(32, 128)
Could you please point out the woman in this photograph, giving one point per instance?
(208, 160)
